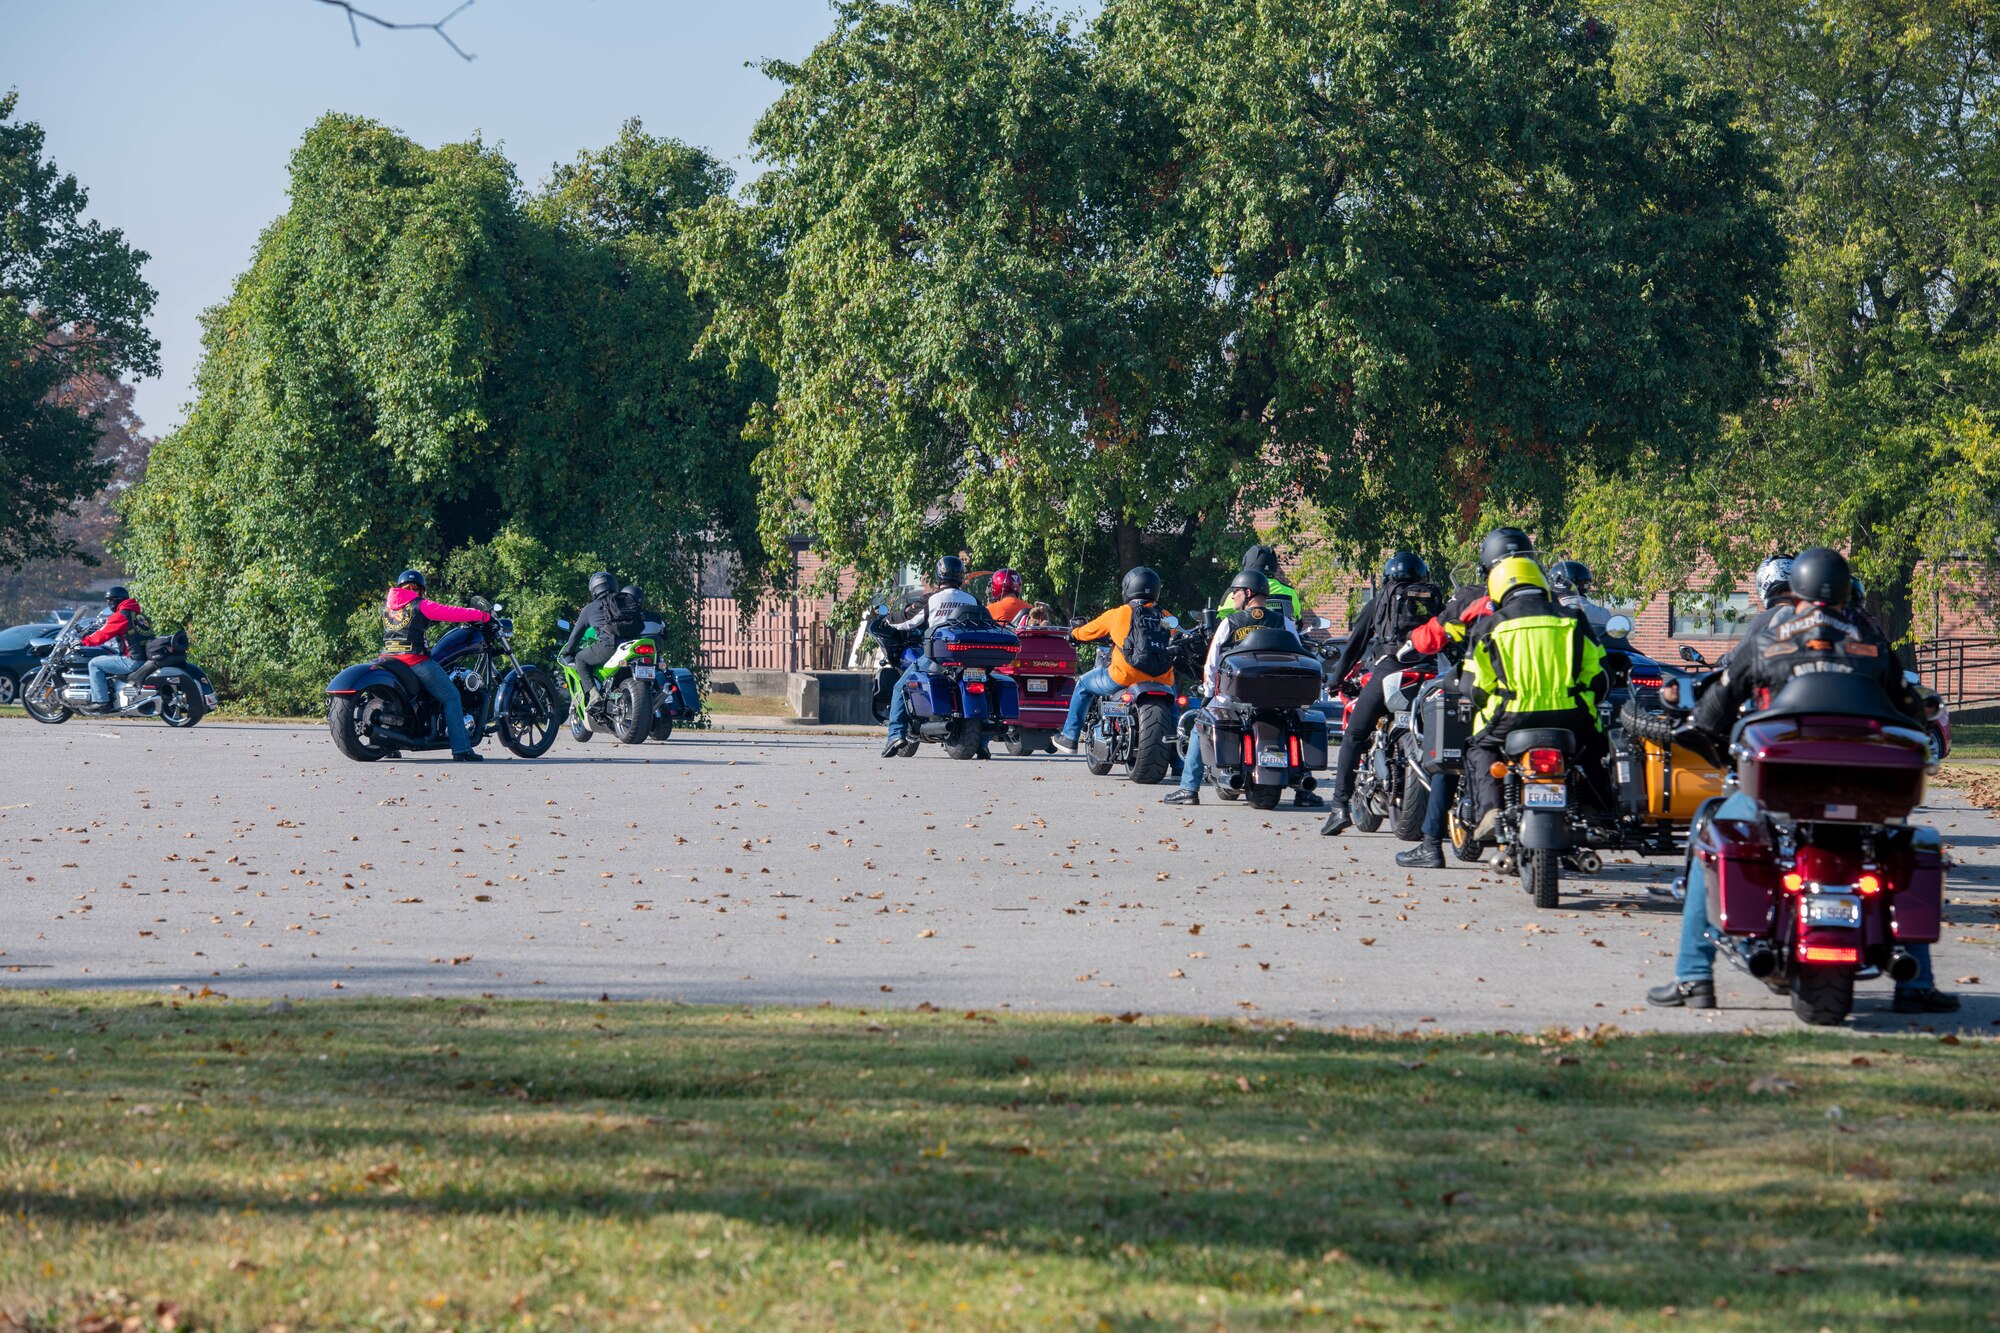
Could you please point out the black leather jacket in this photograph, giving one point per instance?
(1790, 641)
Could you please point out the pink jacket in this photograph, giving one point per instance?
(405, 615)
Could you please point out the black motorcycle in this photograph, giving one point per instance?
(1133, 727)
(166, 685)
(378, 709)
(1263, 731)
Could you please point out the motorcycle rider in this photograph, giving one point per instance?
(1283, 597)
(1572, 583)
(125, 626)
(1535, 664)
(1249, 601)
(406, 615)
(1407, 601)
(948, 598)
(1815, 631)
(1140, 590)
(1004, 600)
(616, 614)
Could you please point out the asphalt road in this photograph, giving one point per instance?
(795, 869)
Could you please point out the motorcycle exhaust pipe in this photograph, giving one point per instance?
(1762, 961)
(397, 740)
(1902, 966)
(1236, 780)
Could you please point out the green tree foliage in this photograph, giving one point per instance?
(424, 365)
(1875, 431)
(73, 308)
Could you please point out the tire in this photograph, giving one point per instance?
(578, 728)
(1263, 795)
(1363, 814)
(529, 726)
(1463, 845)
(181, 703)
(10, 688)
(1647, 726)
(1152, 752)
(1229, 793)
(1098, 767)
(1021, 743)
(1822, 996)
(663, 728)
(1541, 876)
(631, 711)
(963, 743)
(1407, 819)
(344, 721)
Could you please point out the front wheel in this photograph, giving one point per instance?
(1264, 795)
(1407, 819)
(663, 726)
(1364, 814)
(632, 710)
(1152, 751)
(348, 719)
(1097, 751)
(528, 722)
(1021, 743)
(181, 703)
(1541, 875)
(1822, 996)
(1463, 845)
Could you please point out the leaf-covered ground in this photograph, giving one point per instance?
(205, 1163)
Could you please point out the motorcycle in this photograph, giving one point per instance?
(893, 651)
(1827, 877)
(1045, 676)
(1263, 731)
(1133, 727)
(1434, 748)
(642, 699)
(1383, 785)
(964, 700)
(376, 710)
(165, 685)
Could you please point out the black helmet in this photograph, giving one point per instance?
(1822, 575)
(1571, 576)
(1141, 585)
(950, 572)
(1500, 543)
(1405, 567)
(411, 578)
(1263, 559)
(1860, 592)
(1252, 580)
(602, 584)
(635, 592)
(115, 594)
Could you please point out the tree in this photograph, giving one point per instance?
(424, 366)
(73, 308)
(1874, 431)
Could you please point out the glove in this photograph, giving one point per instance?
(1694, 739)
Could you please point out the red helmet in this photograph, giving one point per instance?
(1006, 583)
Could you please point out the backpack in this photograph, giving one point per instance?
(1147, 647)
(628, 617)
(1410, 605)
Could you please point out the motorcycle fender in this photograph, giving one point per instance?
(363, 676)
(970, 705)
(1827, 937)
(1545, 830)
(504, 696)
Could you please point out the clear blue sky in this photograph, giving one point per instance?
(178, 115)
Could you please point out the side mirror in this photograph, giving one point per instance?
(1670, 693)
(1692, 655)
(1171, 622)
(1618, 627)
(480, 603)
(881, 610)
(498, 607)
(563, 625)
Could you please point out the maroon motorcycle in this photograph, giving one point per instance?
(1820, 874)
(1046, 674)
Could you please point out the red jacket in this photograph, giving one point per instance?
(114, 627)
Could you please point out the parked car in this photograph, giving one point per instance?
(16, 662)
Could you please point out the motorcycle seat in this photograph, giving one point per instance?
(406, 679)
(1838, 694)
(1540, 738)
(1268, 641)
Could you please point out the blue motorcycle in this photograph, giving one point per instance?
(961, 702)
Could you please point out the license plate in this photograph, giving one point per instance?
(1037, 686)
(1272, 759)
(975, 673)
(1545, 796)
(644, 673)
(1833, 909)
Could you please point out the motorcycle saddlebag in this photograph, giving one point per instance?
(1312, 739)
(975, 646)
(1447, 729)
(1222, 744)
(1270, 680)
(1631, 770)
(1744, 881)
(1917, 909)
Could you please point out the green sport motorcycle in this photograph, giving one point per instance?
(631, 685)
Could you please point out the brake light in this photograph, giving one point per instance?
(1292, 746)
(1249, 751)
(982, 648)
(1870, 883)
(1825, 953)
(1181, 701)
(975, 687)
(1649, 682)
(345, 694)
(1545, 763)
(1794, 881)
(1125, 696)
(643, 649)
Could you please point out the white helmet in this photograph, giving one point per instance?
(1773, 574)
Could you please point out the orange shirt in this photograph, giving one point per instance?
(1004, 609)
(1114, 625)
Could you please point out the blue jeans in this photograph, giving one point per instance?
(435, 679)
(1193, 768)
(1444, 789)
(1096, 681)
(101, 671)
(1696, 959)
(899, 701)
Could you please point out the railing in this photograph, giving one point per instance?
(780, 636)
(1965, 671)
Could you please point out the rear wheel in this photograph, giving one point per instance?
(1822, 996)
(962, 742)
(528, 725)
(181, 702)
(1021, 743)
(1541, 875)
(631, 709)
(1264, 795)
(663, 726)
(1407, 819)
(351, 719)
(1152, 751)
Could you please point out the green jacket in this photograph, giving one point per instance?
(1535, 656)
(1284, 599)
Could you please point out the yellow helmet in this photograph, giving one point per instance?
(1514, 572)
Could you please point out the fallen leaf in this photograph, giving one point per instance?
(1242, 1083)
(925, 934)
(386, 1171)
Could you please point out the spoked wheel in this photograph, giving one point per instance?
(1822, 996)
(1264, 795)
(181, 703)
(1541, 875)
(528, 725)
(352, 720)
(1463, 845)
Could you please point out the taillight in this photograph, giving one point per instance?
(1870, 883)
(643, 649)
(1182, 701)
(1249, 751)
(1826, 953)
(1794, 881)
(1292, 746)
(1545, 763)
(975, 687)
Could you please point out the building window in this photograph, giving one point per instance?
(1701, 615)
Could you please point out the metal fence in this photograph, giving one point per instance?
(786, 635)
(1966, 671)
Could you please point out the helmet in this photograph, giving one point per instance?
(1263, 559)
(1513, 574)
(411, 578)
(1252, 581)
(1774, 578)
(1822, 575)
(115, 594)
(1141, 585)
(1006, 583)
(635, 592)
(1571, 576)
(951, 572)
(1500, 543)
(1860, 592)
(602, 584)
(1405, 566)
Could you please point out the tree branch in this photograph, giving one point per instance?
(355, 16)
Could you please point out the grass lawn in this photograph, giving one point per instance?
(415, 1164)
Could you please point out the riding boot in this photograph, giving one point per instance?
(1426, 855)
(1337, 819)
